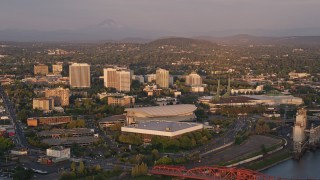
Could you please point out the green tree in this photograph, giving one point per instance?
(5, 144)
(139, 170)
(21, 173)
(81, 168)
(264, 149)
(155, 154)
(73, 166)
(185, 142)
(164, 160)
(130, 139)
(97, 168)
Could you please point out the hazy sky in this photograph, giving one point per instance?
(165, 15)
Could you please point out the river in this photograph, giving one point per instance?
(307, 167)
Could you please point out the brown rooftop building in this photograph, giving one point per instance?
(38, 121)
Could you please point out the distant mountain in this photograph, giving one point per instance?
(247, 39)
(109, 30)
(180, 42)
(264, 32)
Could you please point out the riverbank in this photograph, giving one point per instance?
(274, 164)
(269, 161)
(306, 168)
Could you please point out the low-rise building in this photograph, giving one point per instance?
(197, 89)
(139, 78)
(59, 133)
(169, 129)
(258, 89)
(177, 94)
(58, 152)
(295, 75)
(19, 151)
(55, 120)
(276, 100)
(152, 90)
(69, 141)
(126, 101)
(111, 120)
(118, 99)
(45, 104)
(249, 100)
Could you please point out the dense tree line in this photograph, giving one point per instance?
(5, 144)
(185, 142)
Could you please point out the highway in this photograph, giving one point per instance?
(228, 137)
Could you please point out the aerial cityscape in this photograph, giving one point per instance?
(159, 90)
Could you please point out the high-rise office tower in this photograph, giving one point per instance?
(162, 78)
(117, 78)
(109, 76)
(193, 79)
(79, 75)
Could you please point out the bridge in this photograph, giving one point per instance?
(210, 173)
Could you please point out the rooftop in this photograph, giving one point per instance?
(235, 99)
(266, 97)
(112, 118)
(163, 126)
(65, 131)
(70, 140)
(57, 148)
(51, 117)
(80, 64)
(170, 110)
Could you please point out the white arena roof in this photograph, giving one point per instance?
(162, 128)
(162, 111)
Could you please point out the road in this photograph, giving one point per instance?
(110, 142)
(20, 138)
(240, 124)
(228, 137)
